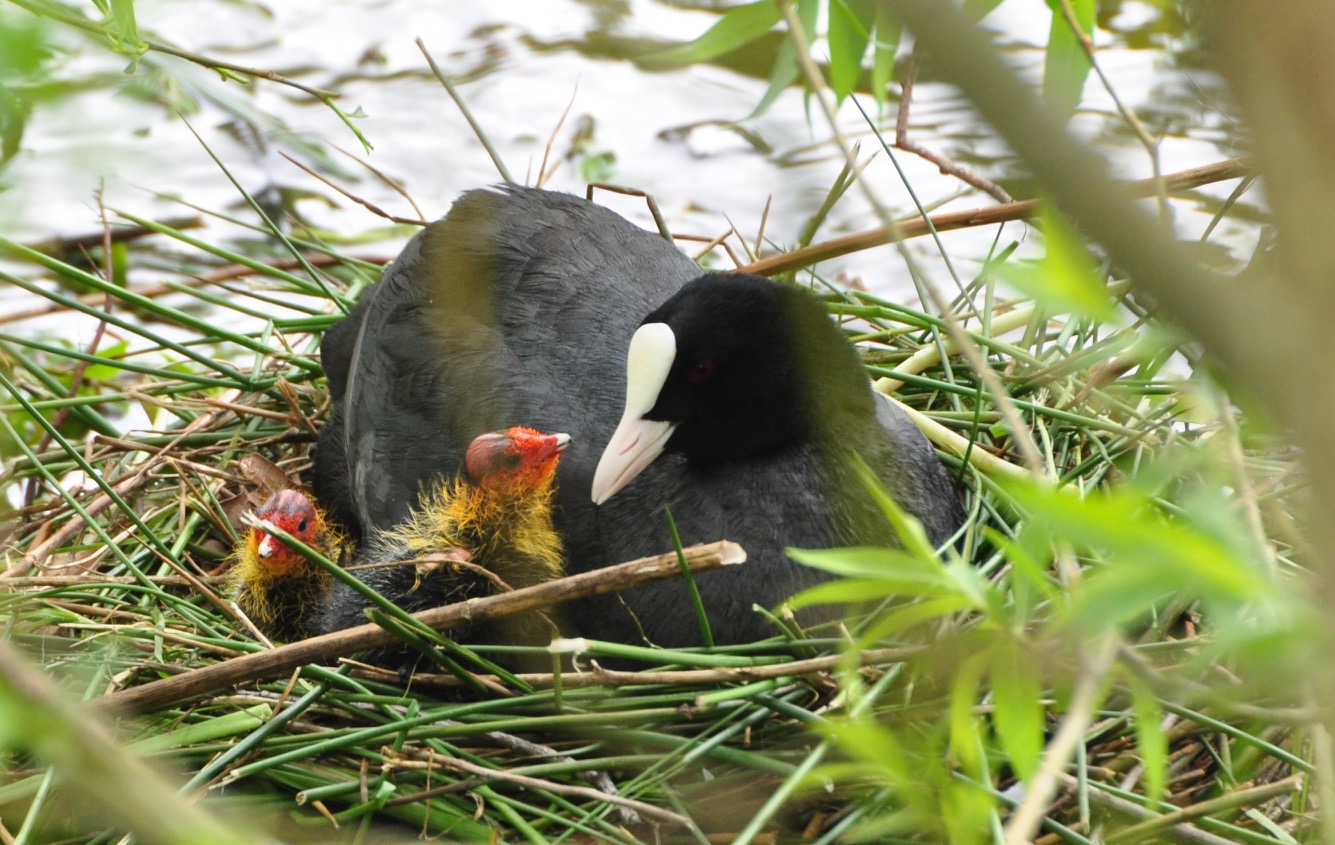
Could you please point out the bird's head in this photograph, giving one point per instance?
(730, 368)
(293, 512)
(517, 458)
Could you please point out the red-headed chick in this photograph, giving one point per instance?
(282, 591)
(486, 530)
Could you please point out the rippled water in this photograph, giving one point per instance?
(519, 65)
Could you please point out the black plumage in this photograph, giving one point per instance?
(518, 307)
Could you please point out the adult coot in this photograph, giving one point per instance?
(518, 307)
(744, 407)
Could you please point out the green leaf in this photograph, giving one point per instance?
(964, 723)
(598, 167)
(851, 22)
(785, 71)
(868, 741)
(1032, 575)
(902, 619)
(783, 75)
(1064, 279)
(122, 13)
(886, 44)
(737, 27)
(1151, 556)
(979, 9)
(872, 562)
(1017, 692)
(1150, 738)
(909, 530)
(1066, 65)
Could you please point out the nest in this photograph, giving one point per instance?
(1092, 680)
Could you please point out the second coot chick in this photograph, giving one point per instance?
(496, 516)
(282, 591)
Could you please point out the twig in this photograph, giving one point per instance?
(394, 184)
(141, 476)
(1005, 319)
(543, 173)
(1229, 801)
(1234, 168)
(663, 230)
(1186, 832)
(600, 677)
(428, 758)
(254, 72)
(122, 233)
(226, 273)
(268, 664)
(946, 165)
(645, 809)
(31, 581)
(1024, 822)
(364, 203)
(468, 115)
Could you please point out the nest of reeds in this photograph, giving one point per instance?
(1067, 661)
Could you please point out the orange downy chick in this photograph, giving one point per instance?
(496, 515)
(280, 590)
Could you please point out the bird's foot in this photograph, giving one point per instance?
(433, 562)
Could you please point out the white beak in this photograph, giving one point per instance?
(637, 441)
(268, 546)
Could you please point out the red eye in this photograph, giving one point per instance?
(701, 372)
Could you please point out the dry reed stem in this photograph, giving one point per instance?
(597, 676)
(647, 810)
(268, 664)
(1195, 177)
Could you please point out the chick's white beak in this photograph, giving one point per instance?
(268, 547)
(637, 441)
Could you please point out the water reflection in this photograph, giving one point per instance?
(681, 134)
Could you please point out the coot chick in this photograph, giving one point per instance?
(483, 532)
(519, 306)
(277, 587)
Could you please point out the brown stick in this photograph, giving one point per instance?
(268, 664)
(141, 475)
(584, 792)
(96, 580)
(122, 233)
(1175, 182)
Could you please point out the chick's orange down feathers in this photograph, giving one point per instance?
(281, 591)
(488, 530)
(499, 512)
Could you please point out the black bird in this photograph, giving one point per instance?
(520, 305)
